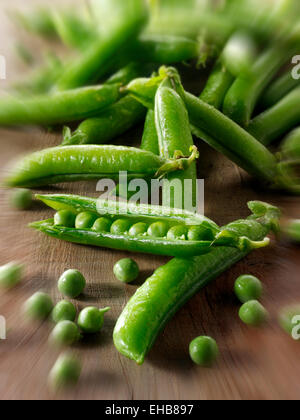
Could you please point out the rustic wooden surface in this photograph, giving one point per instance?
(254, 364)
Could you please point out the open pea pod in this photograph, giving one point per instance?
(138, 228)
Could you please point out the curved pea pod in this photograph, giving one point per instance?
(130, 214)
(173, 284)
(88, 162)
(278, 90)
(59, 107)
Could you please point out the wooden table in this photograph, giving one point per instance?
(254, 364)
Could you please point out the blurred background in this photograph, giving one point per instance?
(254, 364)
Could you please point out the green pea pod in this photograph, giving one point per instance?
(228, 137)
(174, 133)
(278, 120)
(150, 137)
(58, 108)
(217, 86)
(133, 215)
(88, 162)
(243, 96)
(122, 22)
(278, 90)
(173, 284)
(293, 230)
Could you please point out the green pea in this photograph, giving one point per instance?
(120, 226)
(65, 218)
(177, 232)
(248, 288)
(158, 230)
(253, 313)
(85, 220)
(65, 333)
(71, 284)
(289, 320)
(65, 372)
(102, 225)
(39, 306)
(64, 311)
(126, 270)
(204, 351)
(138, 229)
(21, 199)
(200, 233)
(10, 275)
(91, 319)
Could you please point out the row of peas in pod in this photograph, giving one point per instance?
(117, 226)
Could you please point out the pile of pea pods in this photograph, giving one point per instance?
(122, 72)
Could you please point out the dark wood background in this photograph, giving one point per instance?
(254, 364)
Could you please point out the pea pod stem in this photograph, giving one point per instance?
(88, 162)
(58, 108)
(173, 284)
(278, 120)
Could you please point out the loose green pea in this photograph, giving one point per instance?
(248, 288)
(21, 199)
(64, 311)
(66, 372)
(71, 284)
(65, 333)
(102, 225)
(126, 270)
(204, 351)
(253, 313)
(138, 229)
(65, 218)
(289, 320)
(85, 220)
(10, 275)
(177, 232)
(91, 319)
(158, 230)
(200, 233)
(39, 306)
(120, 226)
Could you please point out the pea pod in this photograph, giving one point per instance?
(227, 136)
(173, 284)
(278, 90)
(157, 237)
(150, 138)
(122, 22)
(58, 108)
(278, 120)
(88, 162)
(243, 96)
(174, 133)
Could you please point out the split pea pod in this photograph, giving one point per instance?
(243, 96)
(90, 162)
(59, 107)
(122, 22)
(278, 120)
(174, 134)
(137, 228)
(173, 284)
(278, 90)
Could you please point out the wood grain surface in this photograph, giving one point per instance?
(254, 364)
